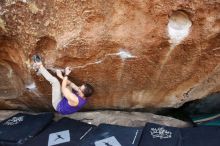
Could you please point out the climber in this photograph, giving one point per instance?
(67, 98)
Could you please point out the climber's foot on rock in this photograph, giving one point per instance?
(37, 62)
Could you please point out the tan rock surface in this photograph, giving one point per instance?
(132, 119)
(124, 48)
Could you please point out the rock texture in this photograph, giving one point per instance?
(136, 53)
(132, 119)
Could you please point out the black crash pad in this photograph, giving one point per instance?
(201, 136)
(113, 135)
(17, 129)
(159, 135)
(65, 132)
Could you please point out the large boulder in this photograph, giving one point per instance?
(136, 54)
(132, 119)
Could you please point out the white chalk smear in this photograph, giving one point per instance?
(178, 27)
(33, 89)
(125, 54)
(10, 73)
(31, 86)
(122, 54)
(177, 36)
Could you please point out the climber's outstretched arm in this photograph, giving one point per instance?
(72, 98)
(71, 84)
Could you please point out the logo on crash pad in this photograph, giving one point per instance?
(14, 121)
(59, 137)
(111, 141)
(160, 133)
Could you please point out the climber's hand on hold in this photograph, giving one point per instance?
(59, 73)
(67, 71)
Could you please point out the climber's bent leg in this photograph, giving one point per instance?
(56, 89)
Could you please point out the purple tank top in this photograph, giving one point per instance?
(64, 108)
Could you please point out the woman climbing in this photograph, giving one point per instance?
(67, 98)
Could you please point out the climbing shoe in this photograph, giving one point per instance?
(36, 58)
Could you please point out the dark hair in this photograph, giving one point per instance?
(88, 91)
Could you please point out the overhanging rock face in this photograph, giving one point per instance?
(136, 54)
